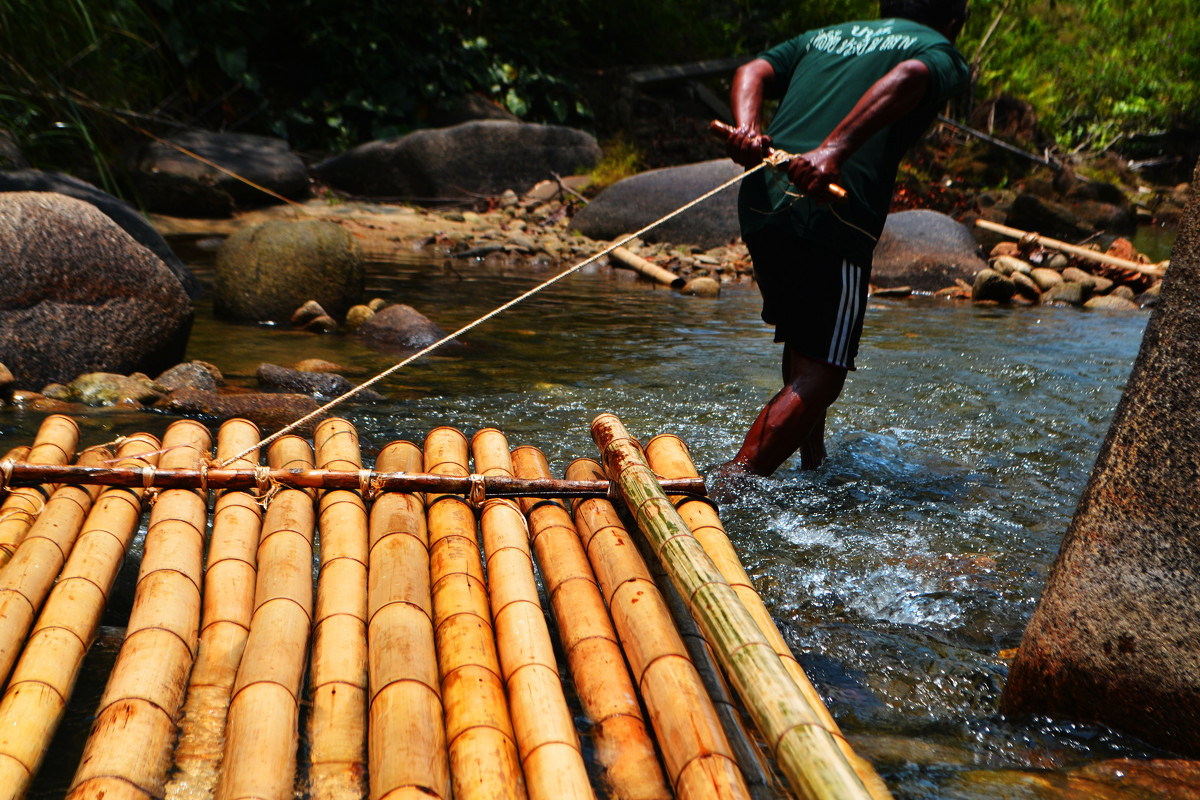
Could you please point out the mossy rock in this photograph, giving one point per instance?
(265, 272)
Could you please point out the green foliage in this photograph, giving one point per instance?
(328, 74)
(1093, 69)
(621, 159)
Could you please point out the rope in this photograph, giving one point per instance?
(495, 312)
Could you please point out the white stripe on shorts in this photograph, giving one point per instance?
(848, 311)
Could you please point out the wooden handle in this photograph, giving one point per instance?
(722, 131)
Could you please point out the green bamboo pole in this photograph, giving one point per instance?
(695, 746)
(44, 678)
(668, 456)
(805, 751)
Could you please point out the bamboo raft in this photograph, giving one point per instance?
(420, 661)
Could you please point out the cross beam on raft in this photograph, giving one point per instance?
(22, 474)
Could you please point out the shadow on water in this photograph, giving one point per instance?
(900, 571)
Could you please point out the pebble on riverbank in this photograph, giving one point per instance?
(1024, 273)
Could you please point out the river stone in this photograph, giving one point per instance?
(463, 161)
(6, 383)
(925, 250)
(1096, 284)
(265, 272)
(400, 327)
(702, 287)
(992, 286)
(632, 204)
(193, 375)
(1071, 293)
(1108, 302)
(80, 295)
(1025, 286)
(110, 389)
(1007, 265)
(171, 182)
(267, 410)
(326, 384)
(120, 212)
(1114, 638)
(1046, 278)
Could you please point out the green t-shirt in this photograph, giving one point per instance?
(821, 75)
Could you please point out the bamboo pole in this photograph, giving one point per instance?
(668, 456)
(27, 578)
(606, 691)
(647, 268)
(44, 678)
(697, 752)
(1155, 270)
(54, 445)
(407, 737)
(805, 752)
(545, 730)
(128, 753)
(225, 623)
(263, 723)
(484, 762)
(494, 485)
(338, 683)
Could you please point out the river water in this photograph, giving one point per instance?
(900, 571)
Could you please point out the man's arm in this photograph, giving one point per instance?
(889, 98)
(751, 83)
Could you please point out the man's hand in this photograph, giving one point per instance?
(813, 173)
(748, 146)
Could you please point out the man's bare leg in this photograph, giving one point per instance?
(794, 419)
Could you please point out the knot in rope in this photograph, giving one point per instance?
(477, 497)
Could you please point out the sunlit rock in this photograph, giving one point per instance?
(1115, 637)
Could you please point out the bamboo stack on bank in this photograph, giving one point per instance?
(409, 655)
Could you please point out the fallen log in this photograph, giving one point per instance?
(1156, 270)
(648, 268)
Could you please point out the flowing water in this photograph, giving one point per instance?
(900, 571)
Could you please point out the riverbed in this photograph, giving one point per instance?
(901, 571)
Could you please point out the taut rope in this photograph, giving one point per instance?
(472, 325)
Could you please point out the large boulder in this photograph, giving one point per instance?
(1115, 637)
(925, 250)
(78, 294)
(265, 272)
(169, 181)
(476, 158)
(120, 212)
(635, 202)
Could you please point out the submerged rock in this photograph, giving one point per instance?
(400, 327)
(326, 384)
(267, 410)
(108, 389)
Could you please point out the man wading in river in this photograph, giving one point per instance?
(853, 98)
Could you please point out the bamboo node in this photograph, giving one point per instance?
(478, 494)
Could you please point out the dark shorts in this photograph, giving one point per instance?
(814, 297)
